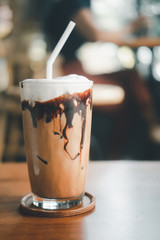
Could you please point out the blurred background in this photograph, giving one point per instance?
(23, 54)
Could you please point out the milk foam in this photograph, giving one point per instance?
(46, 89)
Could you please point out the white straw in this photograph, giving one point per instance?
(58, 48)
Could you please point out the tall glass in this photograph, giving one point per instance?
(56, 117)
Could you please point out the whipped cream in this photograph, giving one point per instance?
(46, 89)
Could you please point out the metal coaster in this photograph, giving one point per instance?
(27, 207)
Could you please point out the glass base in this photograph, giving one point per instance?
(55, 204)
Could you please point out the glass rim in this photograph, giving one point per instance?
(44, 81)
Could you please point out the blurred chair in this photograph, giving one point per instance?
(11, 139)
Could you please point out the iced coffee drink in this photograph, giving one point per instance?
(57, 123)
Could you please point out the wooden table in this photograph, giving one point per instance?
(106, 95)
(135, 42)
(127, 204)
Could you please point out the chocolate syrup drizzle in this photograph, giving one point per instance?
(67, 104)
(42, 160)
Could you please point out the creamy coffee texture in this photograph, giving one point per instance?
(57, 125)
